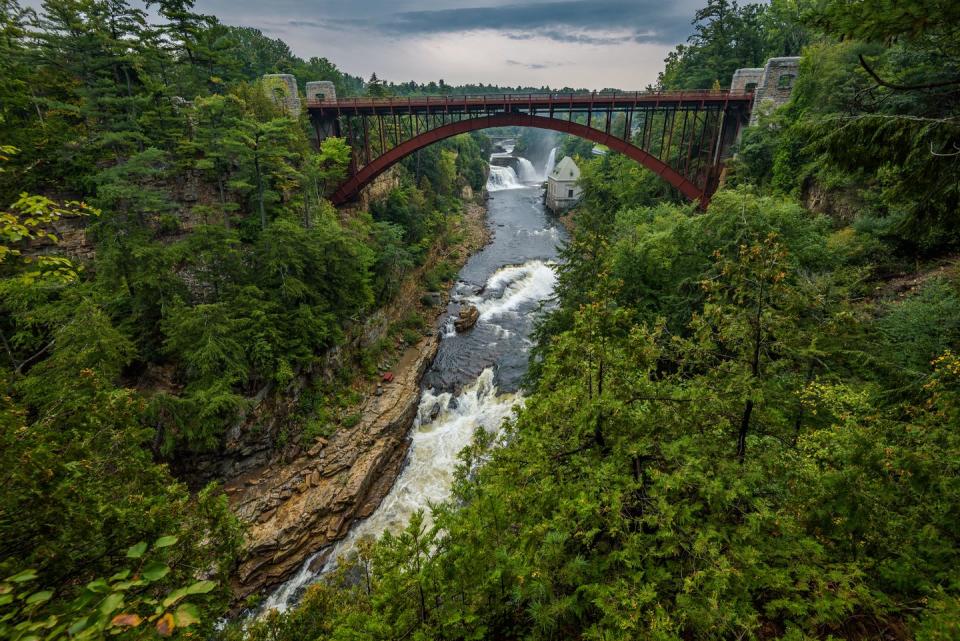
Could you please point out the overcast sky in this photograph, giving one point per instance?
(582, 43)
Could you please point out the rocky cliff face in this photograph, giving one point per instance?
(311, 502)
(380, 188)
(251, 443)
(841, 204)
(303, 499)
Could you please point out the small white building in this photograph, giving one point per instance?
(562, 190)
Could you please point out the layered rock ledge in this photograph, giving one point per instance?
(311, 502)
(302, 504)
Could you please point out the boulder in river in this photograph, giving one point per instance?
(469, 316)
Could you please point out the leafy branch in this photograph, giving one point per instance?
(104, 607)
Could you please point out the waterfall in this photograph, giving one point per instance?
(551, 163)
(444, 425)
(471, 383)
(528, 173)
(286, 595)
(502, 178)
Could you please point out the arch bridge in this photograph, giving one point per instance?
(683, 137)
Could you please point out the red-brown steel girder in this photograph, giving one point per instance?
(352, 186)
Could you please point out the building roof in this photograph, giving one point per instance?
(566, 169)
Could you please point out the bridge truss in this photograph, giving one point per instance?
(681, 136)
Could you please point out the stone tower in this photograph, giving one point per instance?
(745, 80)
(318, 90)
(282, 88)
(775, 86)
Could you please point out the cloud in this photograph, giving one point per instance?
(588, 22)
(575, 37)
(603, 43)
(535, 65)
(330, 23)
(584, 22)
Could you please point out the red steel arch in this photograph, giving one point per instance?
(352, 186)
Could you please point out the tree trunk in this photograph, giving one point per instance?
(223, 201)
(744, 428)
(262, 206)
(36, 105)
(598, 426)
(754, 375)
(6, 346)
(423, 600)
(134, 125)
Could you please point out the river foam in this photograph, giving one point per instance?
(471, 383)
(511, 287)
(444, 425)
(503, 178)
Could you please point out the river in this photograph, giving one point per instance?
(475, 378)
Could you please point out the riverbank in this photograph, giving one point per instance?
(474, 380)
(300, 507)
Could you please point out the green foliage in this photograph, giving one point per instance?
(219, 272)
(207, 314)
(728, 36)
(574, 146)
(32, 218)
(328, 167)
(756, 153)
(699, 434)
(900, 134)
(404, 208)
(104, 607)
(265, 153)
(914, 331)
(726, 435)
(442, 273)
(307, 285)
(913, 20)
(872, 120)
(393, 259)
(411, 328)
(85, 485)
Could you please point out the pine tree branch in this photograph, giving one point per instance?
(896, 87)
(20, 368)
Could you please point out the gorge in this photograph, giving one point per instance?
(293, 354)
(474, 378)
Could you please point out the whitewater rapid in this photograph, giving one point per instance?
(503, 178)
(474, 380)
(528, 173)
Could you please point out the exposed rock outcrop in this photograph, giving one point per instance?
(250, 443)
(311, 502)
(468, 318)
(300, 500)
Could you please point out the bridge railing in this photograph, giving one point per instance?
(526, 98)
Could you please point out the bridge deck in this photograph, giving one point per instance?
(485, 103)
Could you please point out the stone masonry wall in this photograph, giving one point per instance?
(775, 86)
(282, 88)
(744, 77)
(321, 90)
